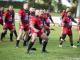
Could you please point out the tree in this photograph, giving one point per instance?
(48, 2)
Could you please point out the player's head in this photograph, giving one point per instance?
(37, 12)
(10, 7)
(67, 9)
(1, 8)
(68, 13)
(41, 12)
(32, 10)
(25, 6)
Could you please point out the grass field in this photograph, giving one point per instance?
(9, 52)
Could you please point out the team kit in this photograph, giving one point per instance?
(35, 23)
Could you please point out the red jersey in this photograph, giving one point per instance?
(38, 24)
(24, 16)
(1, 17)
(68, 21)
(9, 16)
(63, 14)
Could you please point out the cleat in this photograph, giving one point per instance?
(17, 46)
(74, 46)
(34, 49)
(60, 46)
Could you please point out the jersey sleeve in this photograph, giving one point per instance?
(33, 20)
(5, 13)
(20, 12)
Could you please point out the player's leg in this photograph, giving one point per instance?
(48, 32)
(34, 35)
(25, 38)
(40, 40)
(11, 35)
(19, 37)
(71, 40)
(44, 42)
(15, 32)
(61, 33)
(4, 32)
(62, 39)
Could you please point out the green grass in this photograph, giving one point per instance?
(9, 52)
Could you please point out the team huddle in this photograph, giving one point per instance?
(35, 23)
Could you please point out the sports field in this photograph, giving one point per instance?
(9, 52)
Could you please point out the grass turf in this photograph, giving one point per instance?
(9, 52)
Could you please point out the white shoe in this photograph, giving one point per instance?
(74, 46)
(60, 46)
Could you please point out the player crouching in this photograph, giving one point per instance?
(37, 29)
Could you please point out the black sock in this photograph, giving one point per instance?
(77, 41)
(30, 46)
(72, 44)
(17, 43)
(11, 36)
(29, 37)
(40, 40)
(15, 33)
(24, 44)
(44, 46)
(2, 35)
(5, 33)
(60, 38)
(48, 33)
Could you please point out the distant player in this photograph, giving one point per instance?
(47, 19)
(63, 14)
(67, 25)
(9, 23)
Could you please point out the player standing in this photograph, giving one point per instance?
(67, 25)
(24, 24)
(9, 23)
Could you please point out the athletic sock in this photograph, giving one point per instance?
(2, 35)
(17, 43)
(24, 44)
(11, 36)
(15, 33)
(44, 43)
(40, 40)
(30, 46)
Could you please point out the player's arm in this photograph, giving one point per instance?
(20, 14)
(73, 20)
(51, 19)
(4, 17)
(65, 21)
(32, 25)
(13, 18)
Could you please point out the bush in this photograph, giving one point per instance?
(19, 5)
(61, 7)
